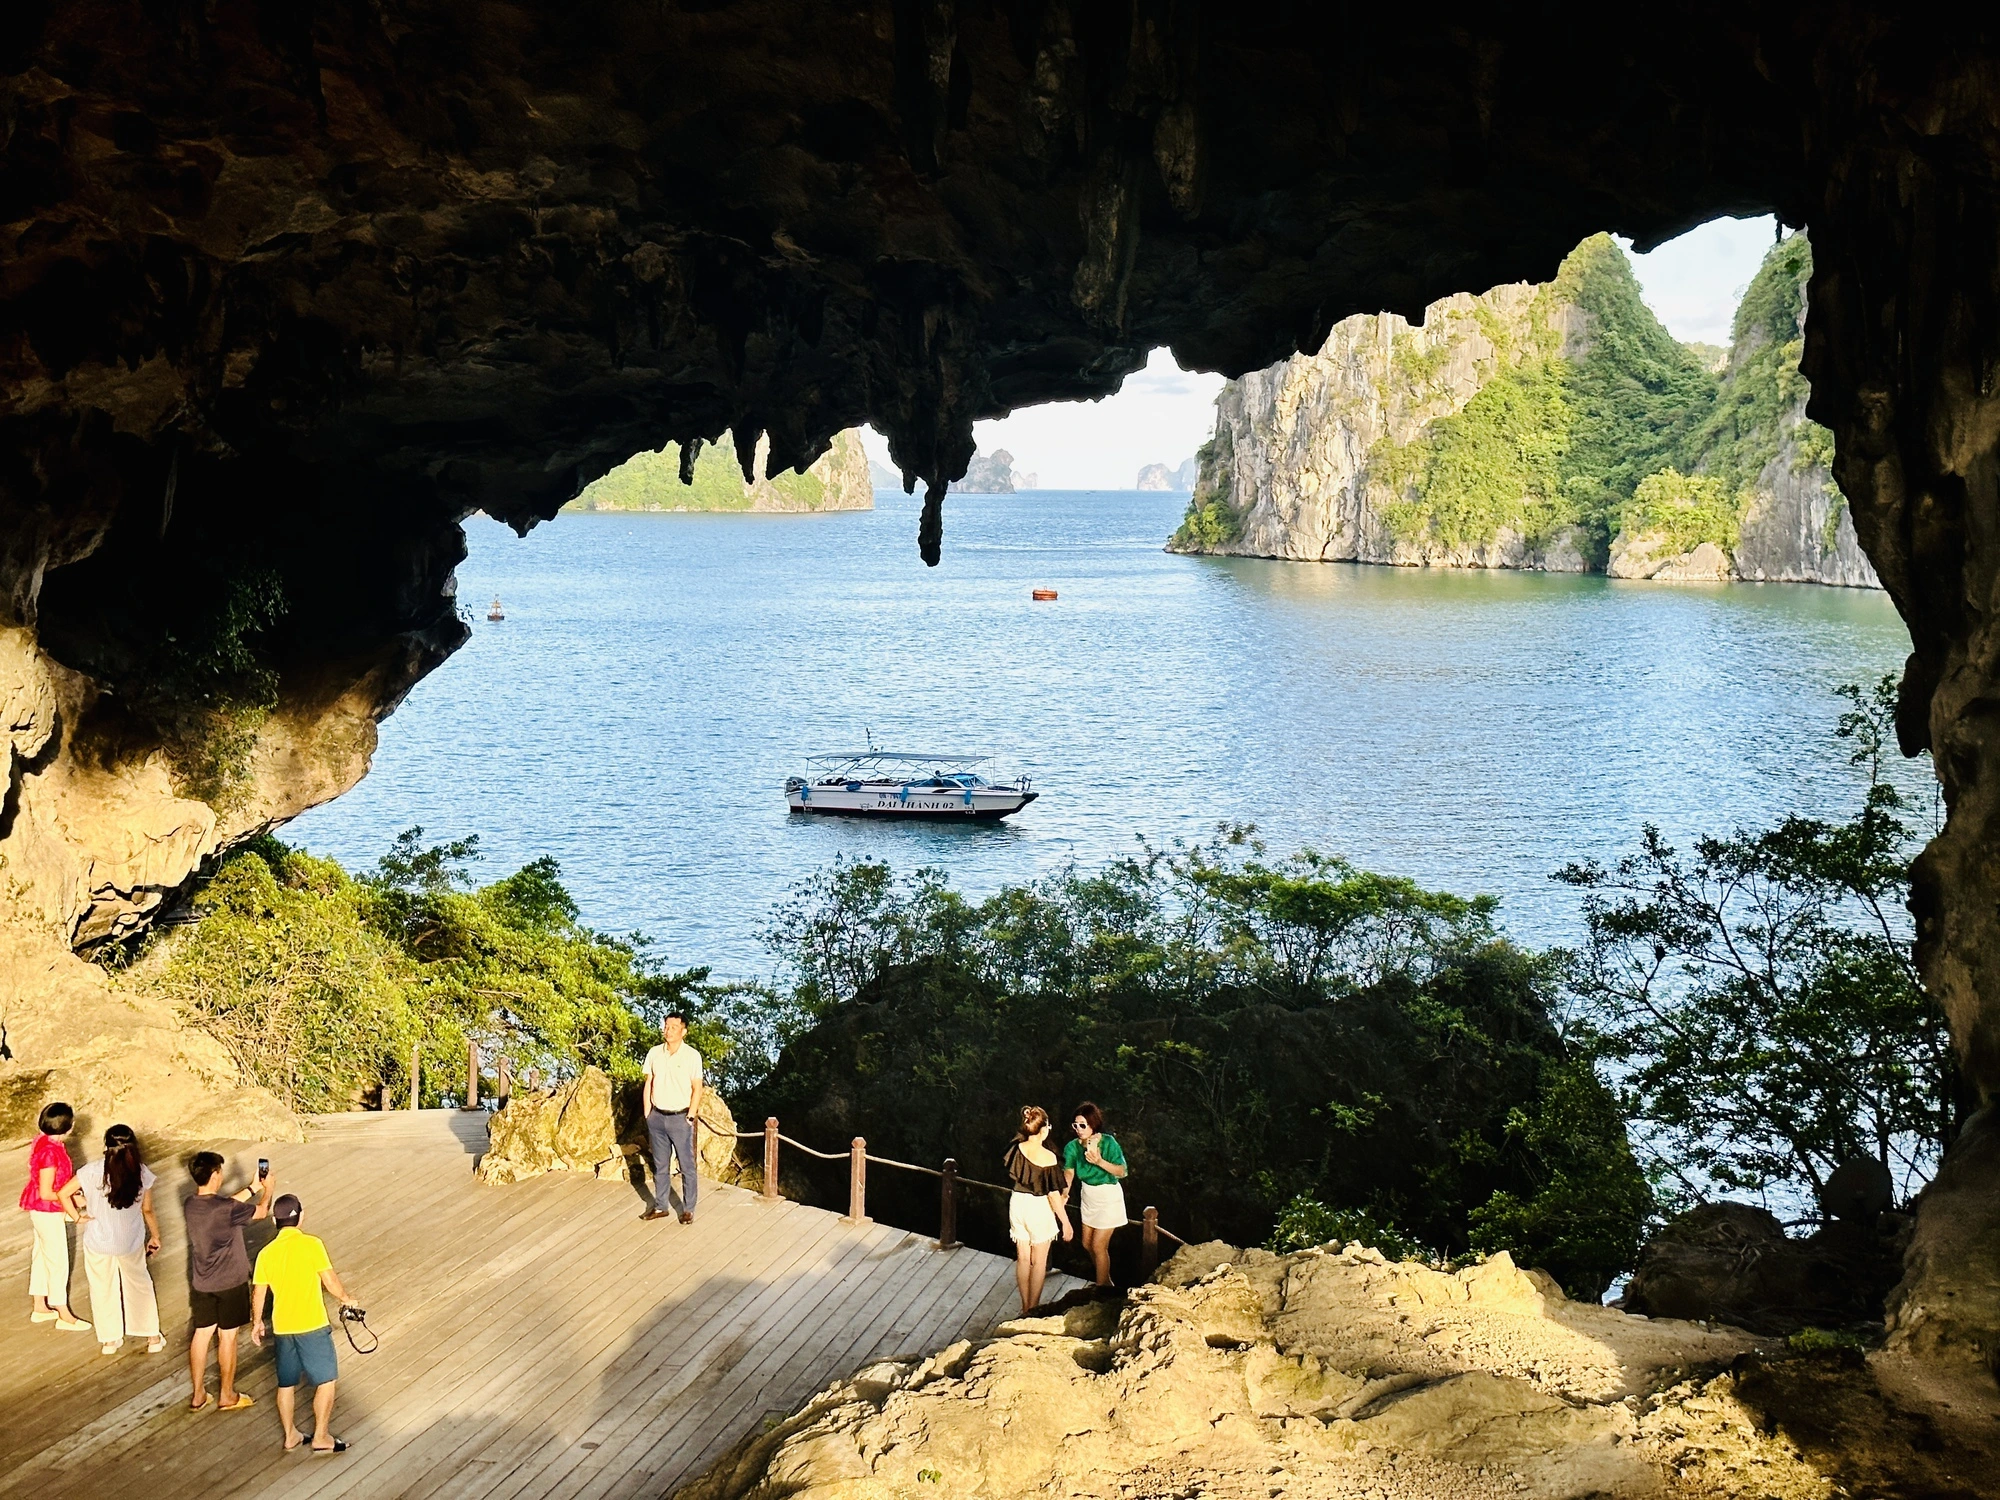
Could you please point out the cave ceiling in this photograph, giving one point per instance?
(472, 253)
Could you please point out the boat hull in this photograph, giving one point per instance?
(987, 805)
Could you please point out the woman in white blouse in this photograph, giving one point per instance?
(113, 1198)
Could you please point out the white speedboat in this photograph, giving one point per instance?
(889, 784)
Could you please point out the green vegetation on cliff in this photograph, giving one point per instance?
(1259, 1033)
(1211, 522)
(652, 482)
(1551, 441)
(1685, 509)
(1762, 387)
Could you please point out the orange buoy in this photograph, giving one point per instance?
(1044, 593)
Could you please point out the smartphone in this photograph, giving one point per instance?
(263, 1167)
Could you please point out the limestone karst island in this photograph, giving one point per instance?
(1115, 751)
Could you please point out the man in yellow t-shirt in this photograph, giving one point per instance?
(291, 1270)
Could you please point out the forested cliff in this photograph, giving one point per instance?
(651, 481)
(1554, 426)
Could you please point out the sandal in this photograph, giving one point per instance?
(202, 1405)
(241, 1403)
(155, 1344)
(339, 1446)
(107, 1349)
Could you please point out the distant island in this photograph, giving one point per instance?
(993, 474)
(987, 474)
(1160, 477)
(837, 480)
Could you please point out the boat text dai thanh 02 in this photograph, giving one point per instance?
(887, 784)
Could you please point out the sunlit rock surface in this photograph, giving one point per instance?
(1329, 1374)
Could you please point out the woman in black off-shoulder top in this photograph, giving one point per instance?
(1038, 1206)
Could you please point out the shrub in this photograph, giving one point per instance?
(1306, 1222)
(1685, 509)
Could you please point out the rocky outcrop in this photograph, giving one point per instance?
(839, 479)
(989, 474)
(1733, 1263)
(589, 1125)
(1181, 477)
(1291, 470)
(568, 1128)
(1311, 458)
(1313, 1376)
(116, 1054)
(1947, 1306)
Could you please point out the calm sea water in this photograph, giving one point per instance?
(658, 677)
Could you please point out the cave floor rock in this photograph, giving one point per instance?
(1335, 1375)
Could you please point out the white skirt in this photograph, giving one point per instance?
(1030, 1220)
(1103, 1205)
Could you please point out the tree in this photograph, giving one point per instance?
(1759, 999)
(1288, 1039)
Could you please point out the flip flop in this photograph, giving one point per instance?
(339, 1446)
(202, 1405)
(241, 1403)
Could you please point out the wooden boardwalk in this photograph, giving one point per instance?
(537, 1340)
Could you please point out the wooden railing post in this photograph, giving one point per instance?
(471, 1075)
(771, 1159)
(416, 1074)
(948, 1205)
(857, 1182)
(1149, 1243)
(506, 1085)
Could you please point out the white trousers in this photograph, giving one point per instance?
(121, 1296)
(48, 1261)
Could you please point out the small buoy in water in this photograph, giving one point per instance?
(495, 612)
(1044, 594)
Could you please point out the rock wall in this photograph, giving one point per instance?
(1290, 461)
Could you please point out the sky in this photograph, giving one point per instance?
(1163, 413)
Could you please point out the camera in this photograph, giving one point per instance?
(354, 1314)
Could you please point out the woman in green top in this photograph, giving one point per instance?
(1097, 1159)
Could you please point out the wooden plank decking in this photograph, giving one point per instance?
(538, 1341)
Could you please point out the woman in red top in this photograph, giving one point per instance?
(49, 1172)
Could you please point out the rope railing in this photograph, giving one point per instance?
(858, 1157)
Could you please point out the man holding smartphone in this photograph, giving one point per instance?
(219, 1273)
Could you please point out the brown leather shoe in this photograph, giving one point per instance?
(687, 1218)
(654, 1213)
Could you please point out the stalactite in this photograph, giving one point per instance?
(930, 527)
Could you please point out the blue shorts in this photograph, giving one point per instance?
(309, 1355)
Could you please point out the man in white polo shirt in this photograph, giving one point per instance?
(672, 1104)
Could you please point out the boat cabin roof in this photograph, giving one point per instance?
(895, 760)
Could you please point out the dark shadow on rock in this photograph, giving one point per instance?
(1831, 1404)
